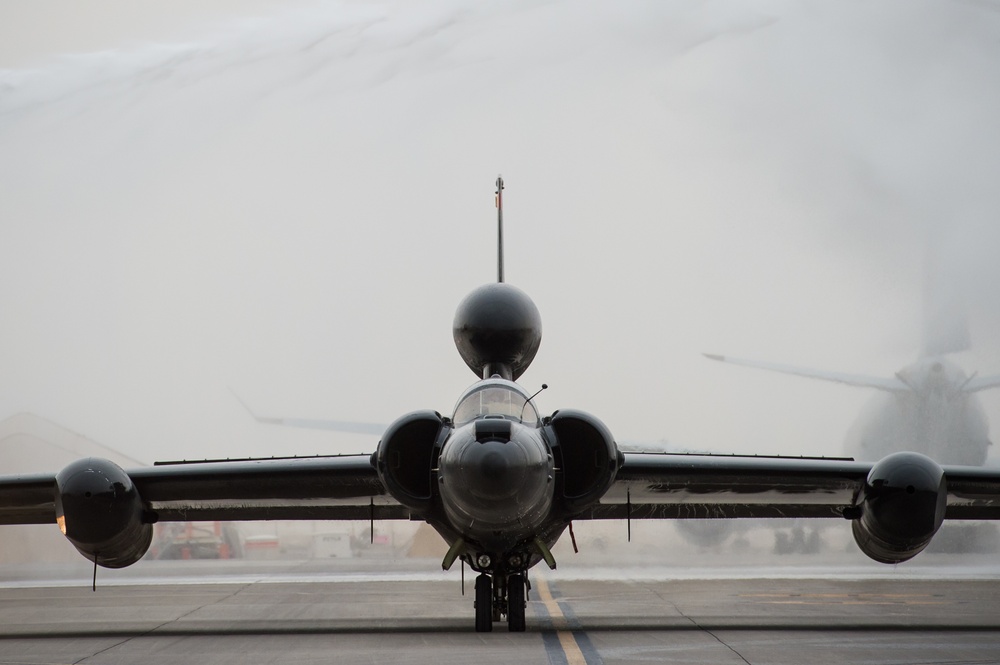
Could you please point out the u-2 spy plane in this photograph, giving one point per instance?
(499, 481)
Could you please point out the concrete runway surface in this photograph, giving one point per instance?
(809, 610)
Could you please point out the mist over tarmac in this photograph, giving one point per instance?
(290, 199)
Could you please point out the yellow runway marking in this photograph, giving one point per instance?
(566, 640)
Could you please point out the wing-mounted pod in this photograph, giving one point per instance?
(406, 454)
(587, 456)
(99, 510)
(497, 330)
(902, 506)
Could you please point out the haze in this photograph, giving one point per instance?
(291, 199)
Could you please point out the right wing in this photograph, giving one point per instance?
(679, 486)
(879, 383)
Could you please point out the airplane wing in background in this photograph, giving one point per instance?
(347, 426)
(977, 383)
(879, 383)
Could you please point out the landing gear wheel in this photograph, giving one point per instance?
(484, 604)
(515, 603)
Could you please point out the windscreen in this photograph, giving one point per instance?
(495, 400)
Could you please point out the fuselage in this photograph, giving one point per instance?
(497, 481)
(495, 471)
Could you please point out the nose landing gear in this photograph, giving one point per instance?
(484, 604)
(516, 602)
(500, 595)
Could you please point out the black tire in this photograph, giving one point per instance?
(484, 604)
(515, 603)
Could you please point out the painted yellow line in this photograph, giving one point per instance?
(566, 640)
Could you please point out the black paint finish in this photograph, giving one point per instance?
(497, 330)
(903, 505)
(99, 510)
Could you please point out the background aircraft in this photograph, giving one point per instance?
(931, 405)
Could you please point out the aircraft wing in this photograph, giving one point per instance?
(347, 426)
(331, 488)
(678, 486)
(28, 499)
(978, 383)
(879, 383)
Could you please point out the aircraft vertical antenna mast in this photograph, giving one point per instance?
(500, 229)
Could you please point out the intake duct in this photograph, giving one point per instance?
(586, 453)
(902, 507)
(405, 456)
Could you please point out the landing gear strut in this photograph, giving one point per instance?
(484, 604)
(498, 596)
(515, 603)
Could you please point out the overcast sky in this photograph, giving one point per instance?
(290, 199)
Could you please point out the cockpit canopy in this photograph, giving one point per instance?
(495, 397)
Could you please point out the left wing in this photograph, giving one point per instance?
(344, 487)
(107, 513)
(333, 488)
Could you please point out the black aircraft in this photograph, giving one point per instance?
(499, 481)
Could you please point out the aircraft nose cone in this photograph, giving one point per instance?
(495, 470)
(493, 466)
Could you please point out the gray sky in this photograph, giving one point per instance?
(292, 198)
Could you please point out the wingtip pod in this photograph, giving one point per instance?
(901, 507)
(99, 510)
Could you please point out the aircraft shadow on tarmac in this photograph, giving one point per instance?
(450, 625)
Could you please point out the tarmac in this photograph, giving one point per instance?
(704, 609)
